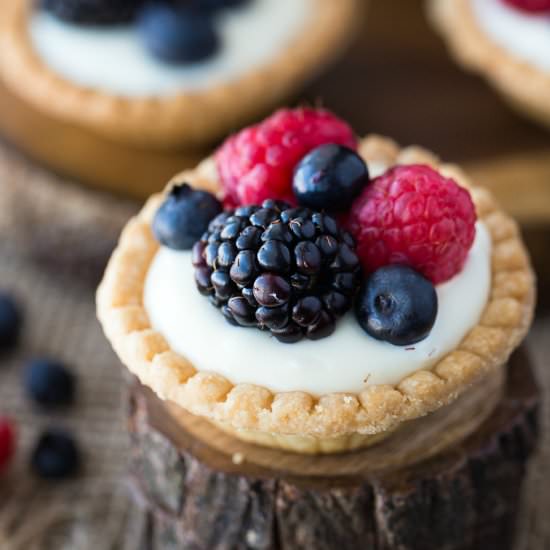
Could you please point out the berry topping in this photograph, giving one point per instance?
(288, 270)
(10, 322)
(56, 455)
(49, 383)
(7, 443)
(531, 6)
(397, 304)
(413, 215)
(329, 178)
(93, 11)
(184, 217)
(216, 5)
(258, 162)
(176, 34)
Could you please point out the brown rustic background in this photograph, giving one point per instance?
(396, 80)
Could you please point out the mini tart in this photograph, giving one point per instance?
(524, 85)
(183, 121)
(298, 420)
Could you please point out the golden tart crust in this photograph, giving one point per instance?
(188, 119)
(376, 409)
(524, 85)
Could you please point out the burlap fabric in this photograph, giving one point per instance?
(55, 240)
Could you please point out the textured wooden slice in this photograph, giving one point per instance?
(466, 497)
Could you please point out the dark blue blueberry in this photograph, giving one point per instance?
(49, 383)
(93, 12)
(176, 34)
(210, 6)
(329, 178)
(184, 217)
(398, 305)
(56, 455)
(10, 322)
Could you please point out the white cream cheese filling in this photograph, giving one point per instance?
(113, 59)
(524, 35)
(347, 361)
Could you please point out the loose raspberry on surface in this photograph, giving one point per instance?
(530, 6)
(258, 163)
(7, 443)
(414, 216)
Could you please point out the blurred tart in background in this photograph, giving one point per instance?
(507, 41)
(123, 93)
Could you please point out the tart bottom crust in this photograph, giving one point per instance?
(374, 410)
(524, 85)
(187, 120)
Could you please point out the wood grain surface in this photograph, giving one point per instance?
(464, 498)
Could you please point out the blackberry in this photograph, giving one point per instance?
(90, 12)
(290, 271)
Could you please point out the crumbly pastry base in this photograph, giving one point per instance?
(306, 444)
(522, 84)
(376, 409)
(185, 120)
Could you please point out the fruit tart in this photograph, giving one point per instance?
(308, 290)
(126, 90)
(507, 41)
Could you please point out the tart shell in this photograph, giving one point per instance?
(376, 409)
(187, 120)
(524, 85)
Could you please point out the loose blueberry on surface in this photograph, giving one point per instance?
(10, 322)
(184, 216)
(56, 455)
(49, 383)
(7, 443)
(397, 304)
(329, 178)
(177, 34)
(262, 267)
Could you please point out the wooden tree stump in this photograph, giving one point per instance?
(208, 491)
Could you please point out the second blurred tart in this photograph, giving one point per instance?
(158, 81)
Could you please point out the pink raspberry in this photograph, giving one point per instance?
(413, 215)
(7, 443)
(532, 6)
(258, 162)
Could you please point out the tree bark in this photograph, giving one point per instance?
(463, 498)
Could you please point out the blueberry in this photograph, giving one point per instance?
(177, 34)
(398, 305)
(56, 455)
(184, 217)
(210, 6)
(49, 383)
(10, 322)
(329, 178)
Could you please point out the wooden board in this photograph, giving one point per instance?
(463, 498)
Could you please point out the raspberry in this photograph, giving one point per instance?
(7, 443)
(257, 163)
(532, 6)
(414, 216)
